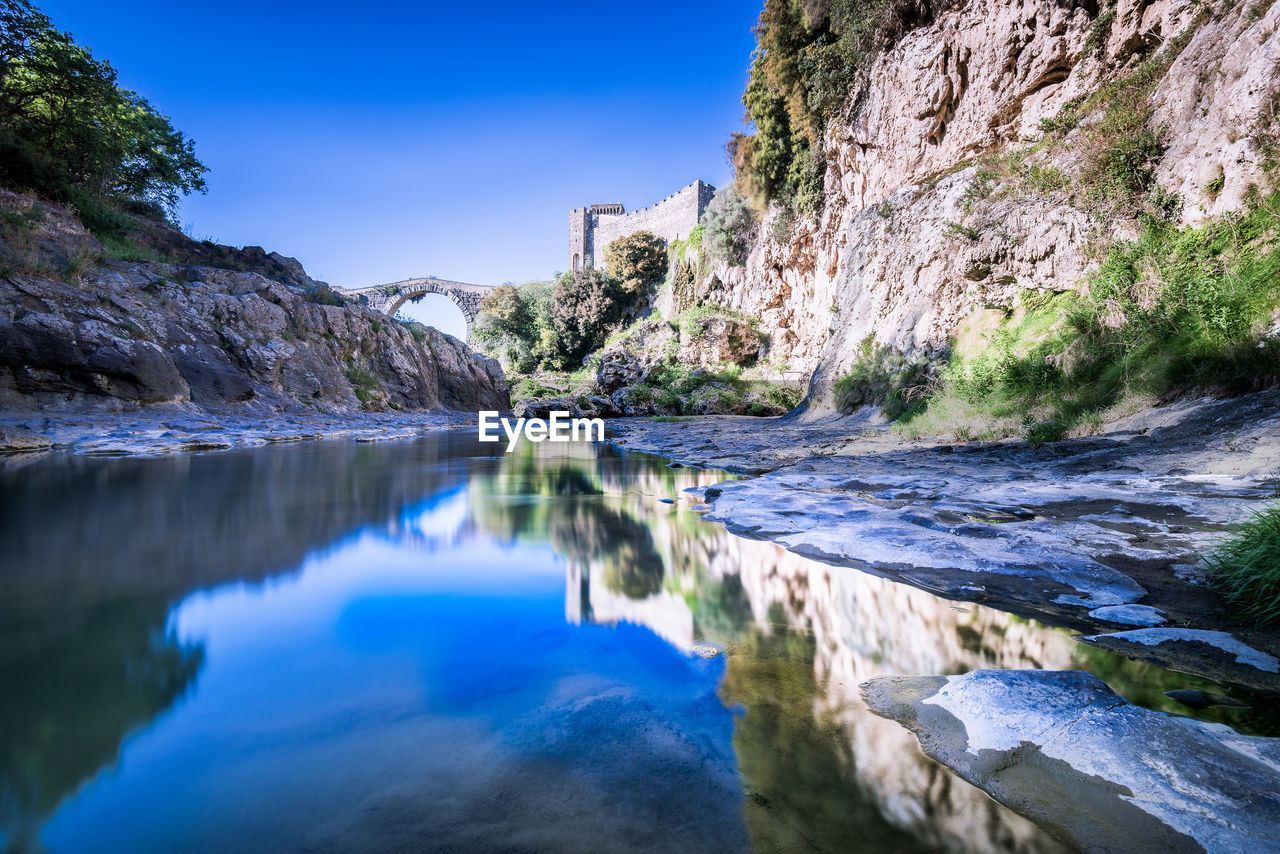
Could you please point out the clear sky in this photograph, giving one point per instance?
(377, 141)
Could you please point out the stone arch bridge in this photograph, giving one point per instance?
(388, 298)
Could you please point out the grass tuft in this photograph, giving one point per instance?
(1246, 566)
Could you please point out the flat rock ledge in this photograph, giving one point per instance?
(183, 429)
(1097, 772)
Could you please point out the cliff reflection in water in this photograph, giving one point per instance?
(101, 558)
(820, 772)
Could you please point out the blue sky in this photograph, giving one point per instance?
(383, 140)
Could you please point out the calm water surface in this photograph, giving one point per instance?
(417, 647)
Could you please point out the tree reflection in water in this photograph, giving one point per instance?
(67, 706)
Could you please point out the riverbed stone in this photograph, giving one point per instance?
(1129, 615)
(15, 439)
(1098, 772)
(1186, 649)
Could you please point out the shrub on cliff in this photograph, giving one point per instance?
(726, 227)
(585, 306)
(881, 376)
(68, 131)
(636, 261)
(806, 65)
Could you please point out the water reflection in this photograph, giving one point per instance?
(416, 646)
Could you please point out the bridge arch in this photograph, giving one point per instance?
(389, 298)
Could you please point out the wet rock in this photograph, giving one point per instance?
(1078, 535)
(1102, 774)
(1217, 653)
(14, 439)
(1129, 615)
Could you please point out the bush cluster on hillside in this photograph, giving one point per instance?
(554, 325)
(636, 261)
(70, 133)
(515, 327)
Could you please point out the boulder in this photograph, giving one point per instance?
(581, 406)
(619, 367)
(636, 401)
(715, 398)
(1064, 750)
(720, 340)
(14, 439)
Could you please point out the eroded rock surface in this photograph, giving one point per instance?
(81, 333)
(902, 248)
(1102, 774)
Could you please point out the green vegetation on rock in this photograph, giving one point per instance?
(70, 133)
(807, 62)
(884, 377)
(1246, 566)
(726, 227)
(1175, 311)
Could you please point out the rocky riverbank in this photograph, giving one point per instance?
(166, 321)
(184, 430)
(1102, 535)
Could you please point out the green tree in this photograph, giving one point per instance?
(68, 129)
(508, 312)
(585, 305)
(636, 261)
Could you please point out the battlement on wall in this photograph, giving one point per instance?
(593, 227)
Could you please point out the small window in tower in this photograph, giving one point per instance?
(577, 263)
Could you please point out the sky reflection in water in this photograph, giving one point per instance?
(414, 646)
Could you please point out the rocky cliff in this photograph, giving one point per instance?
(953, 180)
(204, 326)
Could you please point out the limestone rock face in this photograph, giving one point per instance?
(720, 340)
(901, 252)
(78, 332)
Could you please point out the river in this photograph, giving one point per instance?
(418, 646)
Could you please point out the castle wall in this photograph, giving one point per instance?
(671, 219)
